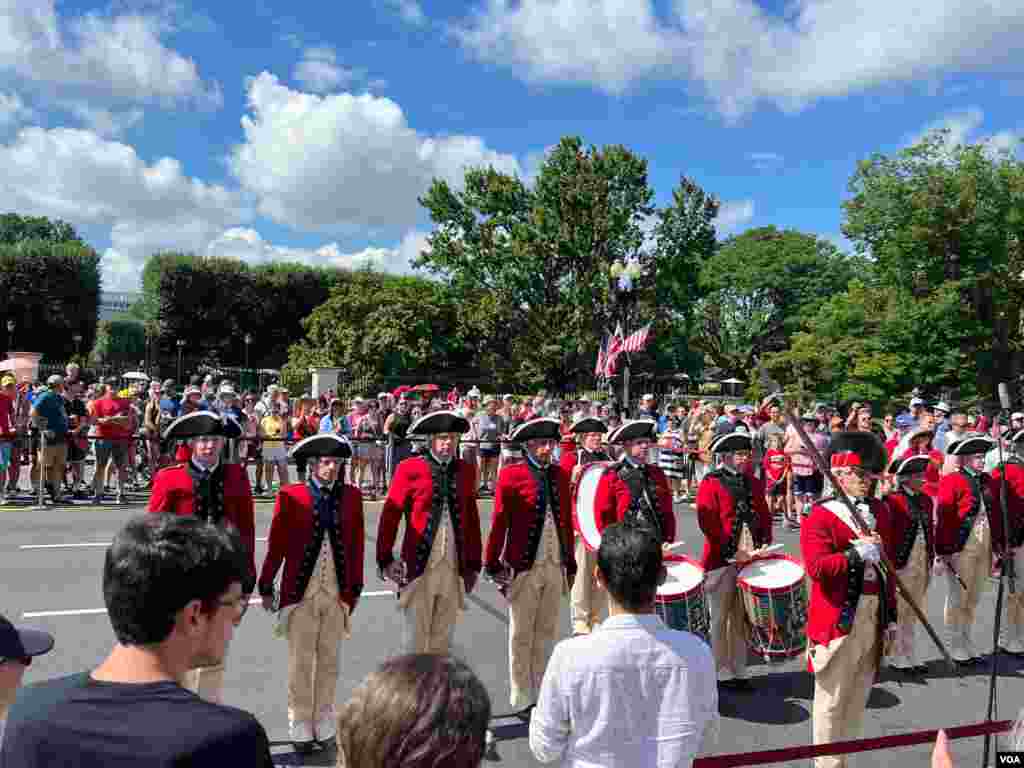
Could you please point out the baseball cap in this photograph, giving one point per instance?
(54, 379)
(943, 407)
(905, 421)
(22, 642)
(915, 402)
(6, 381)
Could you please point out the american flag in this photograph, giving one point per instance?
(637, 340)
(599, 367)
(614, 350)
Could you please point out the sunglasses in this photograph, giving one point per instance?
(23, 660)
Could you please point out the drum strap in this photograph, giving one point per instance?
(547, 501)
(917, 523)
(642, 493)
(738, 487)
(981, 500)
(443, 482)
(207, 493)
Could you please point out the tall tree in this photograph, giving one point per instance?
(755, 289)
(544, 253)
(15, 228)
(932, 216)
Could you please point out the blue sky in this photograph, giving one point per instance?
(271, 130)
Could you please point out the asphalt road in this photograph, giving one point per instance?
(47, 565)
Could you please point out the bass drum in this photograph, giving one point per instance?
(584, 515)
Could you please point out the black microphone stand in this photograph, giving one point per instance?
(1005, 573)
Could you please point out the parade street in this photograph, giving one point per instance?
(51, 563)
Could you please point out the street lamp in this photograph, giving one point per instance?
(181, 347)
(248, 341)
(10, 335)
(623, 275)
(77, 338)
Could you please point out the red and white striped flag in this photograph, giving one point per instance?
(599, 366)
(637, 340)
(614, 350)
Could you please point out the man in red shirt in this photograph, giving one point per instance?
(7, 431)
(112, 417)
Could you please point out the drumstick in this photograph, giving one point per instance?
(673, 545)
(762, 551)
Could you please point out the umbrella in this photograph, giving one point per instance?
(135, 376)
(732, 381)
(426, 388)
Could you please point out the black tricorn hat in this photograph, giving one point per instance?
(195, 424)
(537, 429)
(733, 441)
(970, 444)
(439, 423)
(326, 444)
(633, 430)
(857, 449)
(587, 424)
(910, 465)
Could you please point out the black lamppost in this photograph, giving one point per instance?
(77, 338)
(181, 348)
(10, 335)
(623, 276)
(248, 341)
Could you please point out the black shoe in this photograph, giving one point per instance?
(304, 747)
(525, 714)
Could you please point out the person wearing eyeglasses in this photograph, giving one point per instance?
(317, 534)
(733, 515)
(18, 645)
(213, 491)
(173, 593)
(851, 616)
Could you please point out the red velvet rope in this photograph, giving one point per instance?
(848, 747)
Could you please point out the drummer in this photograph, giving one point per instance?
(734, 517)
(583, 607)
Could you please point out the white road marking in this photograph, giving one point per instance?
(83, 545)
(97, 611)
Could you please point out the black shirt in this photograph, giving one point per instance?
(77, 721)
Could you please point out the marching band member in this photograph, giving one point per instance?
(529, 554)
(589, 432)
(211, 490)
(910, 545)
(852, 604)
(1012, 635)
(434, 491)
(635, 490)
(317, 533)
(733, 514)
(963, 539)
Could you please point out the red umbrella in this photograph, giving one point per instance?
(401, 390)
(426, 388)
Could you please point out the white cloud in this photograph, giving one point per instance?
(740, 53)
(320, 72)
(105, 122)
(765, 161)
(343, 162)
(89, 181)
(410, 11)
(119, 58)
(13, 110)
(733, 214)
(1005, 141)
(963, 127)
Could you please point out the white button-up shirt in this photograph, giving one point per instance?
(633, 694)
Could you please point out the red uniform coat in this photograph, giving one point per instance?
(836, 572)
(716, 515)
(895, 523)
(516, 525)
(291, 533)
(172, 492)
(1014, 505)
(612, 500)
(411, 496)
(956, 510)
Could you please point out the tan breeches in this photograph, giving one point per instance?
(915, 577)
(430, 608)
(316, 628)
(588, 605)
(533, 609)
(844, 674)
(974, 564)
(728, 626)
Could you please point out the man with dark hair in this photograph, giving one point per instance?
(667, 675)
(449, 705)
(173, 592)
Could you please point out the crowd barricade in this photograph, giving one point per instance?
(810, 751)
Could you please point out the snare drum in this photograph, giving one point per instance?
(774, 593)
(680, 601)
(584, 515)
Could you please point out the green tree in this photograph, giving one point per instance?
(755, 290)
(15, 228)
(119, 341)
(543, 255)
(931, 217)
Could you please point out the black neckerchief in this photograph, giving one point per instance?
(326, 509)
(737, 485)
(643, 494)
(917, 523)
(443, 482)
(207, 493)
(979, 493)
(585, 457)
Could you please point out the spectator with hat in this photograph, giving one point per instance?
(396, 428)
(273, 431)
(941, 416)
(18, 646)
(490, 426)
(48, 415)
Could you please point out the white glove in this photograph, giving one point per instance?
(869, 551)
(939, 566)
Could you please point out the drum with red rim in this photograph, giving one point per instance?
(680, 601)
(774, 593)
(584, 515)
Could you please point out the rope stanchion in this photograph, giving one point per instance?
(787, 754)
